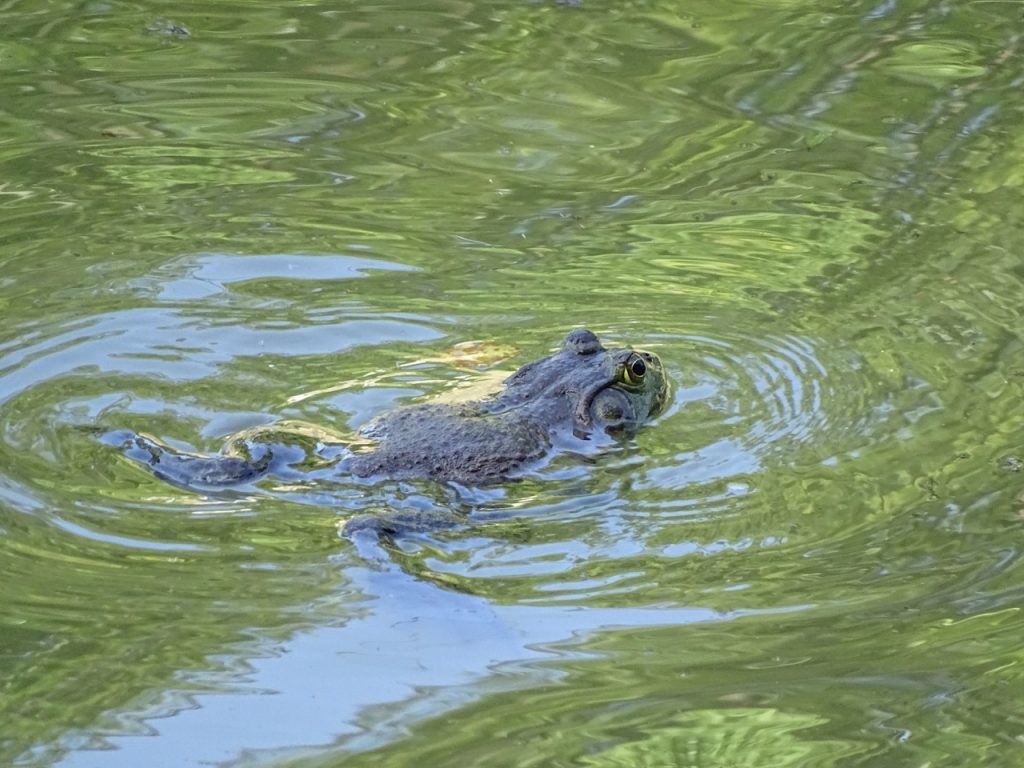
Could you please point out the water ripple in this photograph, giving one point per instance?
(707, 483)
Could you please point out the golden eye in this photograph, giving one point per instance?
(634, 370)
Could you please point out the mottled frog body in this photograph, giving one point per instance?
(579, 393)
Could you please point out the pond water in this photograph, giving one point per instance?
(215, 216)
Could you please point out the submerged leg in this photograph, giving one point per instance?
(393, 523)
(188, 470)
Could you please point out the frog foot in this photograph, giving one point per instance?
(195, 471)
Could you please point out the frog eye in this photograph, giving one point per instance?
(634, 370)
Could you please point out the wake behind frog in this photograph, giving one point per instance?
(578, 393)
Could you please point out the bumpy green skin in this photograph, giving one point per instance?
(578, 391)
(582, 392)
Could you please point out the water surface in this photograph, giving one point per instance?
(218, 215)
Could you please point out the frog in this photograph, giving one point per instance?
(583, 393)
